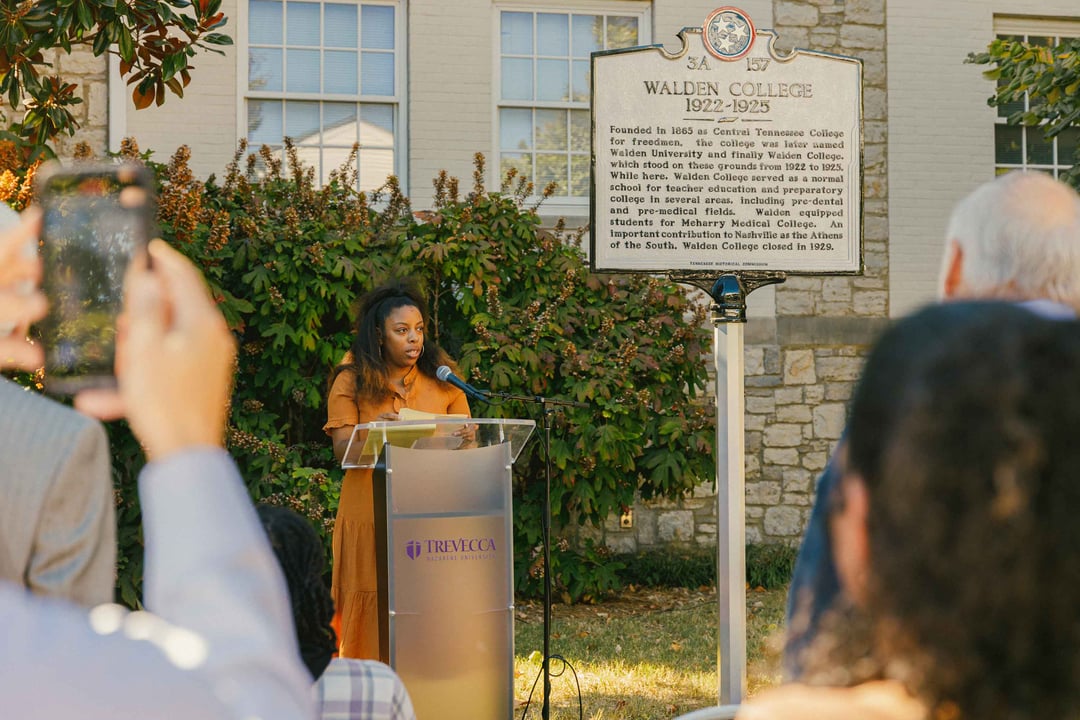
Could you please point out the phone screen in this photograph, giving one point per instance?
(95, 220)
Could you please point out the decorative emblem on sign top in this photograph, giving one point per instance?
(728, 33)
(412, 549)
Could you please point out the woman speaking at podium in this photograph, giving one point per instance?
(391, 366)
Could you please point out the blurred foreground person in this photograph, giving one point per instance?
(1014, 238)
(345, 688)
(57, 514)
(954, 523)
(218, 640)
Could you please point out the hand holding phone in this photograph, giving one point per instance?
(97, 218)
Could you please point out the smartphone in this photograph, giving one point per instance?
(96, 220)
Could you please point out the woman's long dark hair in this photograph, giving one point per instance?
(368, 365)
(300, 555)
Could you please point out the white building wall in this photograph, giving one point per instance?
(204, 119)
(941, 131)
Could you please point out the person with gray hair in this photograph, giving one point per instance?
(1015, 238)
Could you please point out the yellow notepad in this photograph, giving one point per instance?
(419, 435)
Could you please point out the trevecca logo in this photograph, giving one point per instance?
(413, 548)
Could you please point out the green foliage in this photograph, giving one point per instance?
(769, 566)
(287, 260)
(518, 307)
(688, 568)
(155, 40)
(1048, 76)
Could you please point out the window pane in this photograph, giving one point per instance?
(302, 70)
(339, 25)
(622, 32)
(339, 72)
(579, 175)
(333, 159)
(1040, 151)
(551, 130)
(377, 125)
(309, 157)
(579, 130)
(517, 80)
(339, 124)
(302, 122)
(517, 33)
(264, 71)
(1007, 145)
(1041, 40)
(522, 162)
(1068, 141)
(264, 22)
(550, 168)
(377, 27)
(553, 80)
(552, 34)
(264, 122)
(515, 129)
(303, 24)
(1006, 109)
(375, 166)
(588, 35)
(581, 80)
(377, 73)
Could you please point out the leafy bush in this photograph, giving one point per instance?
(691, 568)
(769, 565)
(515, 304)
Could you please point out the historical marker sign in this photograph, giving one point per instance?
(726, 156)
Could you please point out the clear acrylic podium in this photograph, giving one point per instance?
(443, 528)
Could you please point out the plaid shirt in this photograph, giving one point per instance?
(361, 690)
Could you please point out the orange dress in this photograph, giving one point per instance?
(354, 584)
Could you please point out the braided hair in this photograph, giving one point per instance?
(300, 555)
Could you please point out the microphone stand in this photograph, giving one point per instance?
(547, 406)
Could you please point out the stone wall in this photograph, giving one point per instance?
(91, 75)
(802, 366)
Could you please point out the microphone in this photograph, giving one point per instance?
(445, 374)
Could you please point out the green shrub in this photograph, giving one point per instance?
(689, 568)
(769, 565)
(515, 304)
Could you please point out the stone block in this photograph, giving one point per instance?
(707, 529)
(862, 37)
(794, 303)
(753, 442)
(755, 512)
(839, 391)
(875, 131)
(795, 13)
(645, 524)
(796, 499)
(81, 62)
(872, 302)
(752, 467)
(754, 361)
(761, 405)
(754, 422)
(874, 106)
(839, 368)
(783, 522)
(836, 289)
(704, 489)
(762, 493)
(798, 481)
(789, 396)
(772, 360)
(705, 540)
(867, 12)
(794, 414)
(782, 435)
(753, 535)
(781, 456)
(814, 461)
(874, 68)
(622, 544)
(829, 421)
(814, 394)
(799, 367)
(675, 525)
(824, 38)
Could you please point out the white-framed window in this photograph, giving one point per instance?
(542, 88)
(326, 74)
(1020, 147)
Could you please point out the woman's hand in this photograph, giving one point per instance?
(388, 416)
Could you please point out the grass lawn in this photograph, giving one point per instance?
(649, 654)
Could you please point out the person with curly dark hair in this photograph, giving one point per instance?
(345, 689)
(391, 366)
(954, 523)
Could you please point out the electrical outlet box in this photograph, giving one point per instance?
(626, 520)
